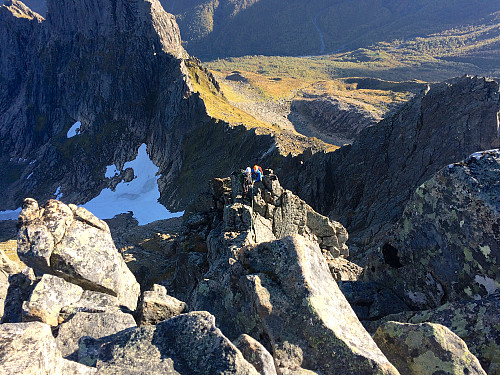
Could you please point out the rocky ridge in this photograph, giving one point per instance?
(253, 269)
(367, 184)
(445, 247)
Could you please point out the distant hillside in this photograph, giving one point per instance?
(213, 28)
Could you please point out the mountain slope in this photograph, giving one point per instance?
(81, 91)
(277, 27)
(366, 185)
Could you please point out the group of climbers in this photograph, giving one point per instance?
(249, 177)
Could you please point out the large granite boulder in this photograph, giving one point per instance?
(447, 245)
(47, 299)
(95, 325)
(283, 291)
(426, 349)
(70, 242)
(186, 344)
(301, 310)
(30, 349)
(91, 302)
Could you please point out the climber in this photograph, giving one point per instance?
(257, 173)
(246, 180)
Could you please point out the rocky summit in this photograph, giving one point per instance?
(253, 290)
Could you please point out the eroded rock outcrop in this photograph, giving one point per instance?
(266, 213)
(51, 293)
(475, 322)
(446, 246)
(267, 276)
(156, 306)
(70, 242)
(426, 349)
(95, 325)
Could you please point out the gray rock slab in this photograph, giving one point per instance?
(95, 325)
(186, 344)
(30, 349)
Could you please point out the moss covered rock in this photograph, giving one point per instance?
(446, 247)
(426, 348)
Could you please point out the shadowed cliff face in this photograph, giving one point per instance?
(115, 66)
(118, 68)
(365, 186)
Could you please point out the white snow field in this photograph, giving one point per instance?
(139, 195)
(74, 130)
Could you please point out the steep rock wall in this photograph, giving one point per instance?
(365, 185)
(118, 68)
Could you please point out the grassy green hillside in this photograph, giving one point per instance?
(222, 28)
(436, 57)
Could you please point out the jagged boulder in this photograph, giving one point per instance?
(49, 296)
(92, 302)
(70, 242)
(273, 213)
(186, 344)
(255, 353)
(95, 325)
(30, 348)
(156, 306)
(446, 246)
(284, 292)
(303, 313)
(224, 219)
(426, 348)
(343, 270)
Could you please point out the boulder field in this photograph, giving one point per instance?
(255, 289)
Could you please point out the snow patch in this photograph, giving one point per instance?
(74, 130)
(10, 214)
(139, 196)
(31, 174)
(480, 154)
(58, 193)
(111, 171)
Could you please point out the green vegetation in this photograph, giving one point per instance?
(218, 106)
(470, 50)
(223, 28)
